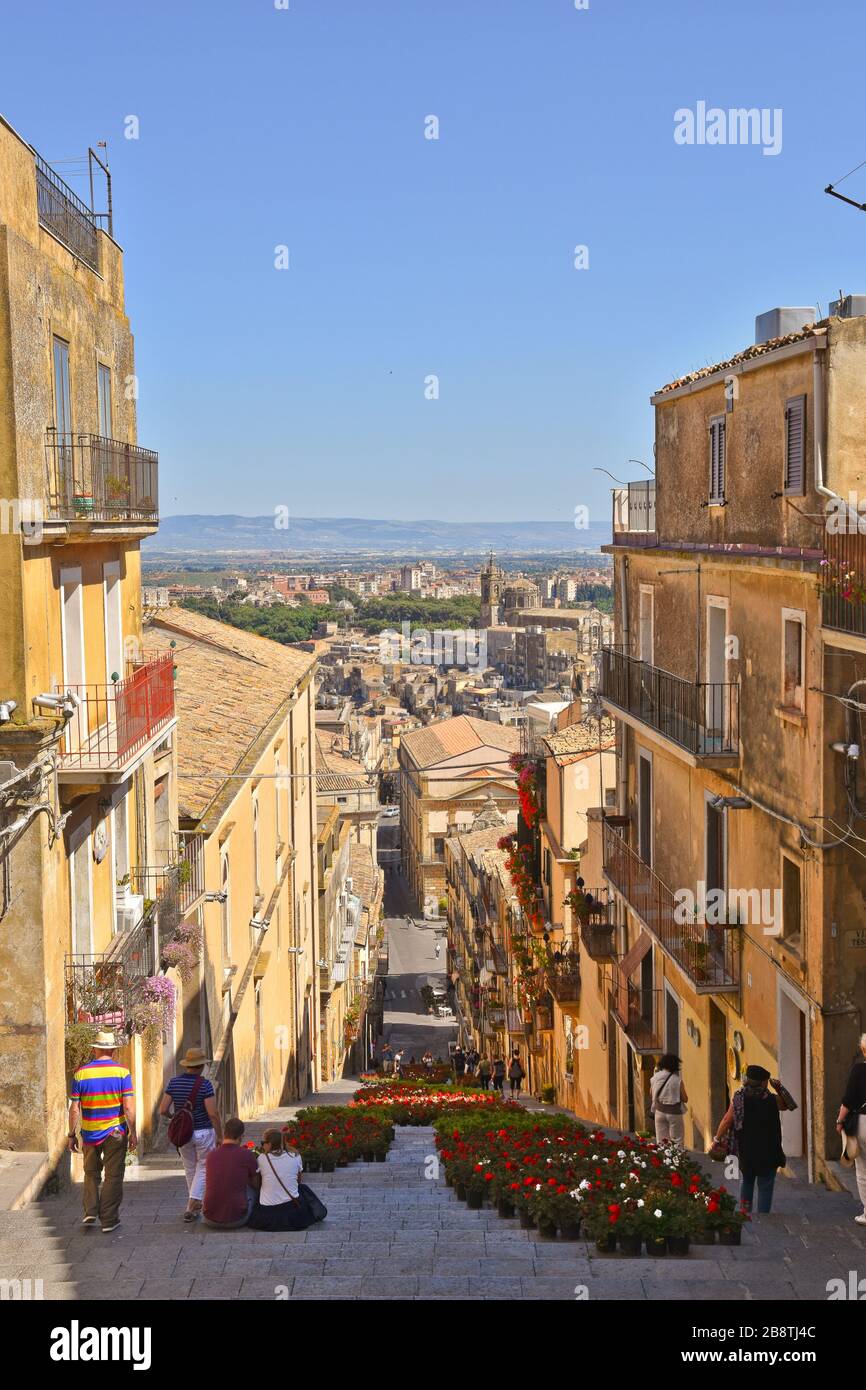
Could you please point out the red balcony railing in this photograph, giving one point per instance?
(112, 723)
(708, 955)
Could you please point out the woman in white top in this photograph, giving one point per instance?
(279, 1206)
(668, 1100)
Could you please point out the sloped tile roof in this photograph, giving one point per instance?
(810, 330)
(230, 685)
(448, 739)
(579, 740)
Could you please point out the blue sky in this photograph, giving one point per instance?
(409, 257)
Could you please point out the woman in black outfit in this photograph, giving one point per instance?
(854, 1102)
(753, 1115)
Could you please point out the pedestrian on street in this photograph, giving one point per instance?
(398, 1062)
(853, 1111)
(472, 1059)
(387, 1059)
(438, 949)
(231, 1174)
(191, 1089)
(498, 1074)
(515, 1074)
(102, 1098)
(427, 1059)
(668, 1101)
(753, 1118)
(458, 1058)
(483, 1072)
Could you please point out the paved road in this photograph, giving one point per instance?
(412, 959)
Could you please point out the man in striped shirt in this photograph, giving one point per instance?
(102, 1098)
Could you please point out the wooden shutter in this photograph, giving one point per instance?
(717, 460)
(795, 445)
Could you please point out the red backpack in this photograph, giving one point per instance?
(180, 1126)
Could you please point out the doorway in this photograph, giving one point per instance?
(672, 1022)
(792, 1071)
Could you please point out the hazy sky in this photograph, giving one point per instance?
(411, 257)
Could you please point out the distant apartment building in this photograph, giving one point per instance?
(155, 597)
(448, 770)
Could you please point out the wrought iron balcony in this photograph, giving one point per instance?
(599, 941)
(639, 1013)
(700, 716)
(708, 955)
(102, 988)
(563, 979)
(63, 214)
(111, 724)
(843, 592)
(92, 478)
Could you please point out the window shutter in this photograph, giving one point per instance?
(717, 460)
(795, 445)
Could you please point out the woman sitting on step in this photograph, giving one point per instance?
(280, 1206)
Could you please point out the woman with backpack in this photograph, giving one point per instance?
(194, 1128)
(515, 1074)
(668, 1101)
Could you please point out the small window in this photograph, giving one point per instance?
(792, 926)
(795, 446)
(793, 660)
(717, 461)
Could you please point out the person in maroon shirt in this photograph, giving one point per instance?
(230, 1173)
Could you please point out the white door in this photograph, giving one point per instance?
(792, 1051)
(72, 638)
(81, 889)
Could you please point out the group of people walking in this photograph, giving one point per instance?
(486, 1072)
(228, 1184)
(751, 1128)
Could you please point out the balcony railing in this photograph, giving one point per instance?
(700, 716)
(112, 723)
(634, 513)
(708, 955)
(102, 988)
(599, 941)
(563, 979)
(92, 478)
(63, 213)
(639, 1013)
(843, 591)
(168, 892)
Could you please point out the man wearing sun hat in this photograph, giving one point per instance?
(102, 1098)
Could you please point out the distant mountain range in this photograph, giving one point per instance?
(192, 535)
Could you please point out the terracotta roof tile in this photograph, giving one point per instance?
(809, 330)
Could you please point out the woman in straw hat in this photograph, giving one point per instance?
(191, 1089)
(851, 1124)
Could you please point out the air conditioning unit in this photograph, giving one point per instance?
(131, 913)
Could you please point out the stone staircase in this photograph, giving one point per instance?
(395, 1231)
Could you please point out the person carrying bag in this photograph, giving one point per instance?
(668, 1101)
